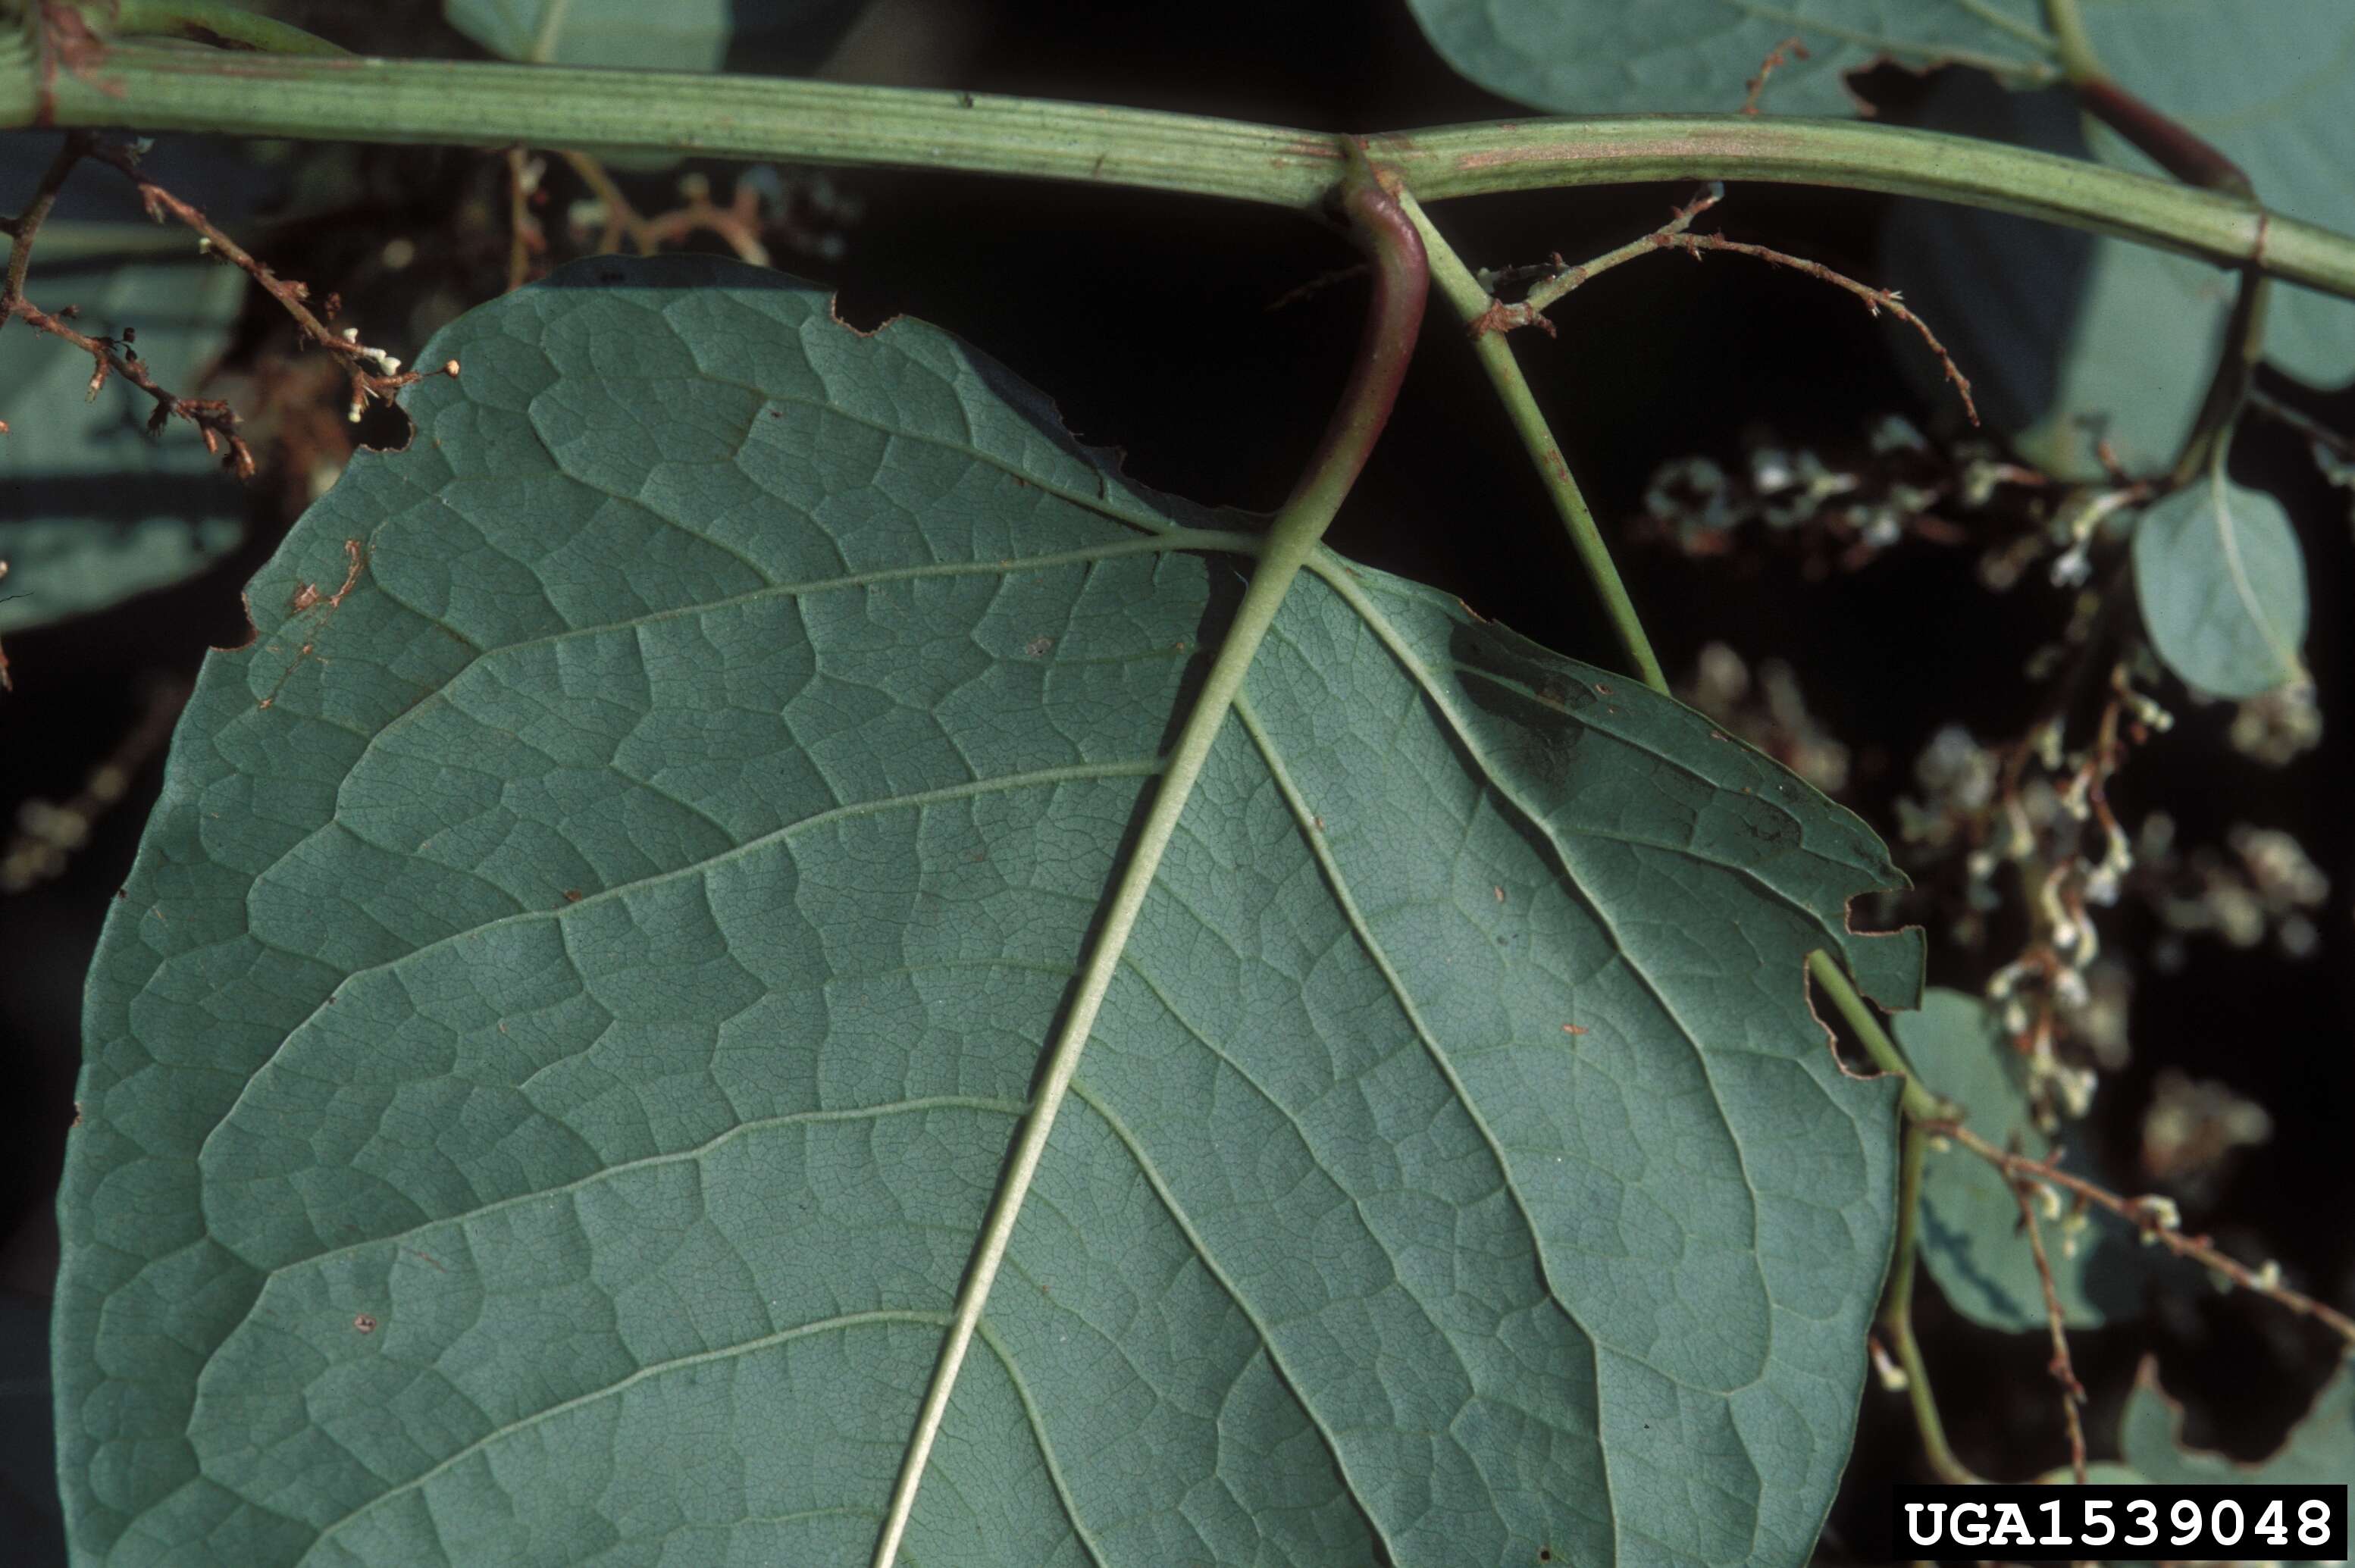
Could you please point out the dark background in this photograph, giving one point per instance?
(1145, 316)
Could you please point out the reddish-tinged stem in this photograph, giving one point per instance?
(1402, 284)
(2170, 145)
(2146, 1215)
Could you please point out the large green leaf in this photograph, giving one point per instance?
(1971, 1233)
(93, 508)
(1601, 57)
(2222, 582)
(549, 1068)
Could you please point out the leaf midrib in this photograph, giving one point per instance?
(2228, 540)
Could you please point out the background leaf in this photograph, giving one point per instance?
(2062, 328)
(546, 1073)
(2320, 1449)
(2273, 100)
(2222, 582)
(93, 509)
(1602, 56)
(2078, 337)
(1970, 1222)
(773, 36)
(2069, 338)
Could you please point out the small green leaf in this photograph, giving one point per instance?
(561, 1035)
(2222, 587)
(1970, 1232)
(94, 509)
(1600, 57)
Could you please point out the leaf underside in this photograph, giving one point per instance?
(548, 1071)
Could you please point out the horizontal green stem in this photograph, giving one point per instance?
(370, 99)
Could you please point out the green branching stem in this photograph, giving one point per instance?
(1919, 1104)
(1401, 284)
(1473, 303)
(1921, 1109)
(478, 104)
(1897, 1313)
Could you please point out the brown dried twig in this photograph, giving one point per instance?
(1676, 235)
(1558, 279)
(2155, 1218)
(1782, 54)
(738, 223)
(620, 218)
(1875, 300)
(374, 373)
(22, 228)
(215, 421)
(2064, 1372)
(525, 239)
